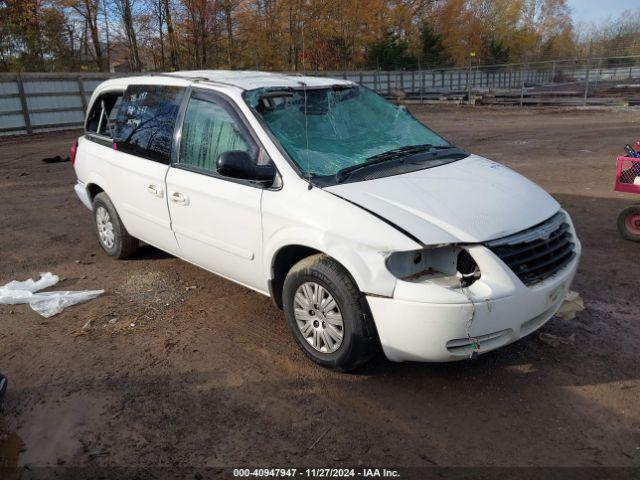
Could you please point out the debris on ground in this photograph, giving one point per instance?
(319, 438)
(56, 159)
(3, 387)
(555, 340)
(571, 306)
(46, 304)
(15, 292)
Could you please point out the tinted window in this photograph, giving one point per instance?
(145, 121)
(210, 129)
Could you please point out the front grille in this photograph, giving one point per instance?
(538, 252)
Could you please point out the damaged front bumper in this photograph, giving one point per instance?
(428, 323)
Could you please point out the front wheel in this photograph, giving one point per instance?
(629, 223)
(326, 314)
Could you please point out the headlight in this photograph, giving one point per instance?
(450, 261)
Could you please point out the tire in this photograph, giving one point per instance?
(359, 340)
(112, 236)
(629, 223)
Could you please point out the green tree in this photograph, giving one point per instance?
(497, 52)
(389, 53)
(433, 52)
(56, 40)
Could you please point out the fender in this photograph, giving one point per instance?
(96, 179)
(364, 263)
(353, 237)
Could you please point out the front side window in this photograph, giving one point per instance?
(146, 120)
(327, 131)
(210, 129)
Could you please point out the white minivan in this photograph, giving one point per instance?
(367, 228)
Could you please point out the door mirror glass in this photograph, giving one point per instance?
(239, 164)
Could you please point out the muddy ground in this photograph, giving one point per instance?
(169, 375)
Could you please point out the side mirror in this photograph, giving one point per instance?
(239, 164)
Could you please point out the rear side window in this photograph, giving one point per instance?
(102, 117)
(146, 119)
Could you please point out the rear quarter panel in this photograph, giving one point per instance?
(91, 166)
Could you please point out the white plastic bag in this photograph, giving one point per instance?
(49, 304)
(19, 292)
(46, 304)
(572, 305)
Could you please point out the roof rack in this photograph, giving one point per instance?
(194, 79)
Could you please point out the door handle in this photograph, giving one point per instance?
(155, 190)
(179, 198)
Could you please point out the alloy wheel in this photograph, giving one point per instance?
(318, 317)
(105, 227)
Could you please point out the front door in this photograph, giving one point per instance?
(216, 220)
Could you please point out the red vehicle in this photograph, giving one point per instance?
(628, 180)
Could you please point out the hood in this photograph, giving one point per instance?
(468, 201)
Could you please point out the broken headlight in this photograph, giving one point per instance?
(451, 262)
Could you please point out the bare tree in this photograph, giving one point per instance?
(173, 44)
(228, 10)
(196, 26)
(159, 14)
(88, 10)
(124, 9)
(106, 29)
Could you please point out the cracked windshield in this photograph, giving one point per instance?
(343, 126)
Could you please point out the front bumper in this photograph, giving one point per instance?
(497, 310)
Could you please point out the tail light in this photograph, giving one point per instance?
(74, 150)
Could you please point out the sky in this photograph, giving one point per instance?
(598, 10)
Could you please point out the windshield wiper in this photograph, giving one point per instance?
(342, 174)
(408, 150)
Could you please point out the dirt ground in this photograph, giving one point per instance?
(167, 375)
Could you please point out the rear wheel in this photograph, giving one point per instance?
(112, 236)
(326, 314)
(629, 223)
